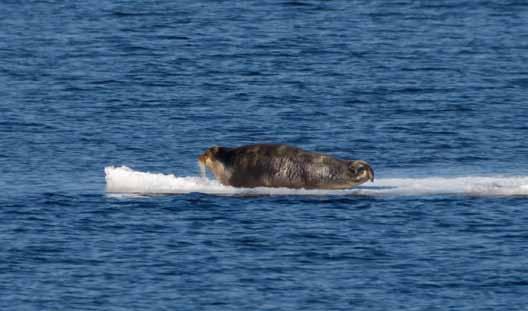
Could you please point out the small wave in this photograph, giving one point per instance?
(124, 180)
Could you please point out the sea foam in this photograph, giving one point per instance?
(124, 180)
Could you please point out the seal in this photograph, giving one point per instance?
(278, 165)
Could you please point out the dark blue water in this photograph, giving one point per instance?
(420, 89)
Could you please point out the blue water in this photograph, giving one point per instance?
(432, 93)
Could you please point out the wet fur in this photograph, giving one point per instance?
(271, 165)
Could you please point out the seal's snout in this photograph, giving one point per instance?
(209, 154)
(202, 158)
(212, 159)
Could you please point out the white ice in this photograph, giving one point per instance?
(124, 180)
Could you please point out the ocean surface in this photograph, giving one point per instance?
(106, 105)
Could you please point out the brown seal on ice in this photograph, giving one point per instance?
(274, 165)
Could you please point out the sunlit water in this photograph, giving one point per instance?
(106, 105)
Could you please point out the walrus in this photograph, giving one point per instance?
(278, 165)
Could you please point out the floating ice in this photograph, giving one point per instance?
(125, 180)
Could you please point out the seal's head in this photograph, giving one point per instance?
(360, 171)
(214, 158)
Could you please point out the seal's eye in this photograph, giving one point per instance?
(359, 170)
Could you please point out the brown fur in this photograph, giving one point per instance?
(274, 165)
